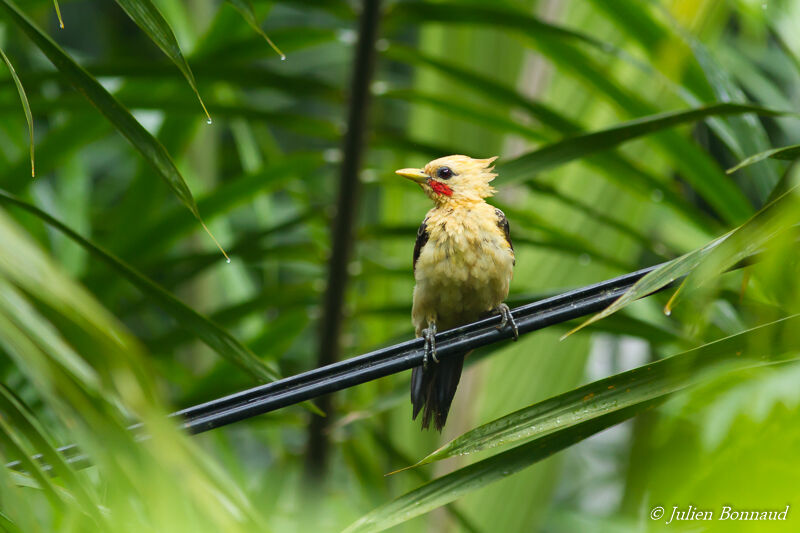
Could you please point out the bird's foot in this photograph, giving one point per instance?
(507, 318)
(429, 334)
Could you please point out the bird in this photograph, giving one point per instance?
(463, 264)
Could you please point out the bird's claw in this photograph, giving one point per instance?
(507, 318)
(429, 334)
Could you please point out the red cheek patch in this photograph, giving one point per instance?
(441, 188)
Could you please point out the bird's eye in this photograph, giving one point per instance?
(444, 173)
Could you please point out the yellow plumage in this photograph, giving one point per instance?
(464, 270)
(463, 263)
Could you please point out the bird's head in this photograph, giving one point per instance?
(455, 177)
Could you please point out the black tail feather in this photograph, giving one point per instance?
(434, 388)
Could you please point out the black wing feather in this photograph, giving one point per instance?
(422, 239)
(502, 223)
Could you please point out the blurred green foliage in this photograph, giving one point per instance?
(615, 123)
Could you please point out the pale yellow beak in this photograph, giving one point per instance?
(414, 174)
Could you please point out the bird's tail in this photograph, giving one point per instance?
(434, 388)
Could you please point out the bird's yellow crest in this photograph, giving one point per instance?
(454, 178)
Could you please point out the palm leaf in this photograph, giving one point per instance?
(786, 153)
(248, 14)
(209, 332)
(719, 254)
(645, 383)
(58, 14)
(615, 167)
(42, 313)
(26, 423)
(582, 145)
(588, 410)
(25, 105)
(152, 150)
(147, 16)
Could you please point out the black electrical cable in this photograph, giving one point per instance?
(403, 356)
(385, 361)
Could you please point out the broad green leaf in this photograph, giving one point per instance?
(123, 121)
(550, 426)
(571, 148)
(246, 9)
(209, 332)
(147, 16)
(787, 153)
(25, 105)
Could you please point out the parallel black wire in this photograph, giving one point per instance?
(404, 356)
(386, 361)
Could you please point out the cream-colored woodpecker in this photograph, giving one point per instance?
(463, 263)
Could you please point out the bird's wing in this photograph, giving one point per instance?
(502, 223)
(422, 238)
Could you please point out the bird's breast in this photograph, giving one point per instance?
(464, 269)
